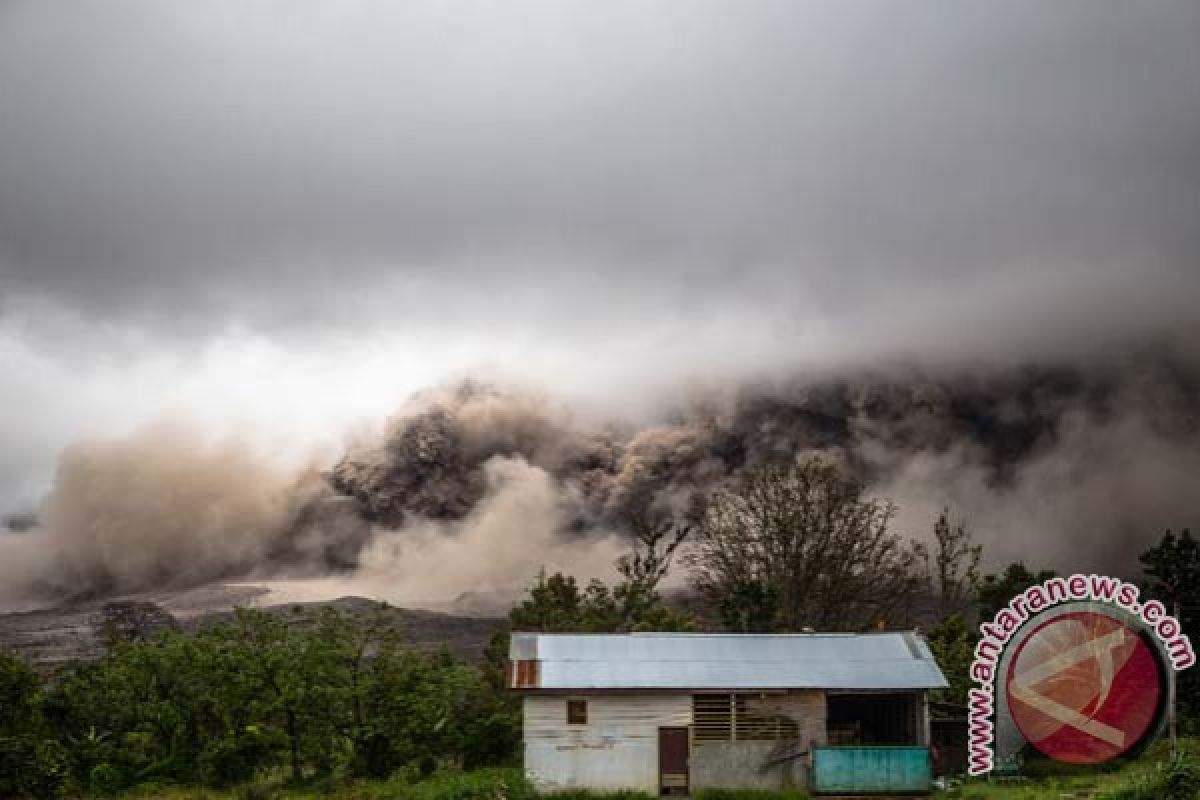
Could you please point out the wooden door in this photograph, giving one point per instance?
(673, 761)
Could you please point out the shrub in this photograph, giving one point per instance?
(1180, 781)
(483, 784)
(749, 794)
(591, 794)
(32, 762)
(225, 762)
(105, 779)
(1176, 780)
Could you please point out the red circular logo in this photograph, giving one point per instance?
(1084, 687)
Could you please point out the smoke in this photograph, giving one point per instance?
(482, 561)
(162, 507)
(471, 488)
(1093, 500)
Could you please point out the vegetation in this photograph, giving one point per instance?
(331, 700)
(953, 645)
(749, 794)
(1172, 568)
(556, 603)
(800, 546)
(954, 571)
(32, 762)
(1155, 776)
(259, 708)
(995, 591)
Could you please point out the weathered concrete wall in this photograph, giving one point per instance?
(805, 706)
(742, 765)
(616, 749)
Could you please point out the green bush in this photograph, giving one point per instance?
(1175, 780)
(483, 784)
(105, 779)
(329, 698)
(749, 794)
(32, 762)
(1181, 781)
(591, 794)
(224, 762)
(31, 767)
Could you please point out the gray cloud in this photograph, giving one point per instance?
(287, 164)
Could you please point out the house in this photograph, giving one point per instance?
(669, 713)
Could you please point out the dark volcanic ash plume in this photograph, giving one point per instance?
(1071, 466)
(476, 486)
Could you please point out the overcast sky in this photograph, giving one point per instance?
(287, 215)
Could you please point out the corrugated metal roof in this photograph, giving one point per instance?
(729, 661)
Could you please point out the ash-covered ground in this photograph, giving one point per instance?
(53, 637)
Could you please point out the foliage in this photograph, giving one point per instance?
(749, 794)
(332, 697)
(798, 546)
(132, 621)
(1173, 569)
(953, 645)
(995, 591)
(597, 794)
(556, 603)
(31, 760)
(487, 784)
(1178, 779)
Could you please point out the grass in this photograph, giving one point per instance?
(749, 794)
(1142, 779)
(484, 784)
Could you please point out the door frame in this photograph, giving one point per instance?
(673, 786)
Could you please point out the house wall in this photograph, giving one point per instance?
(744, 765)
(616, 749)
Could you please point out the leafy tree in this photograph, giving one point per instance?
(1172, 569)
(556, 603)
(953, 644)
(749, 605)
(32, 763)
(322, 695)
(798, 546)
(995, 591)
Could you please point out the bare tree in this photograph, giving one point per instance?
(955, 570)
(798, 546)
(656, 537)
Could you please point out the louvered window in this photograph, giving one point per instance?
(738, 717)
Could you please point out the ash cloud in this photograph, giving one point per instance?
(953, 248)
(169, 507)
(472, 488)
